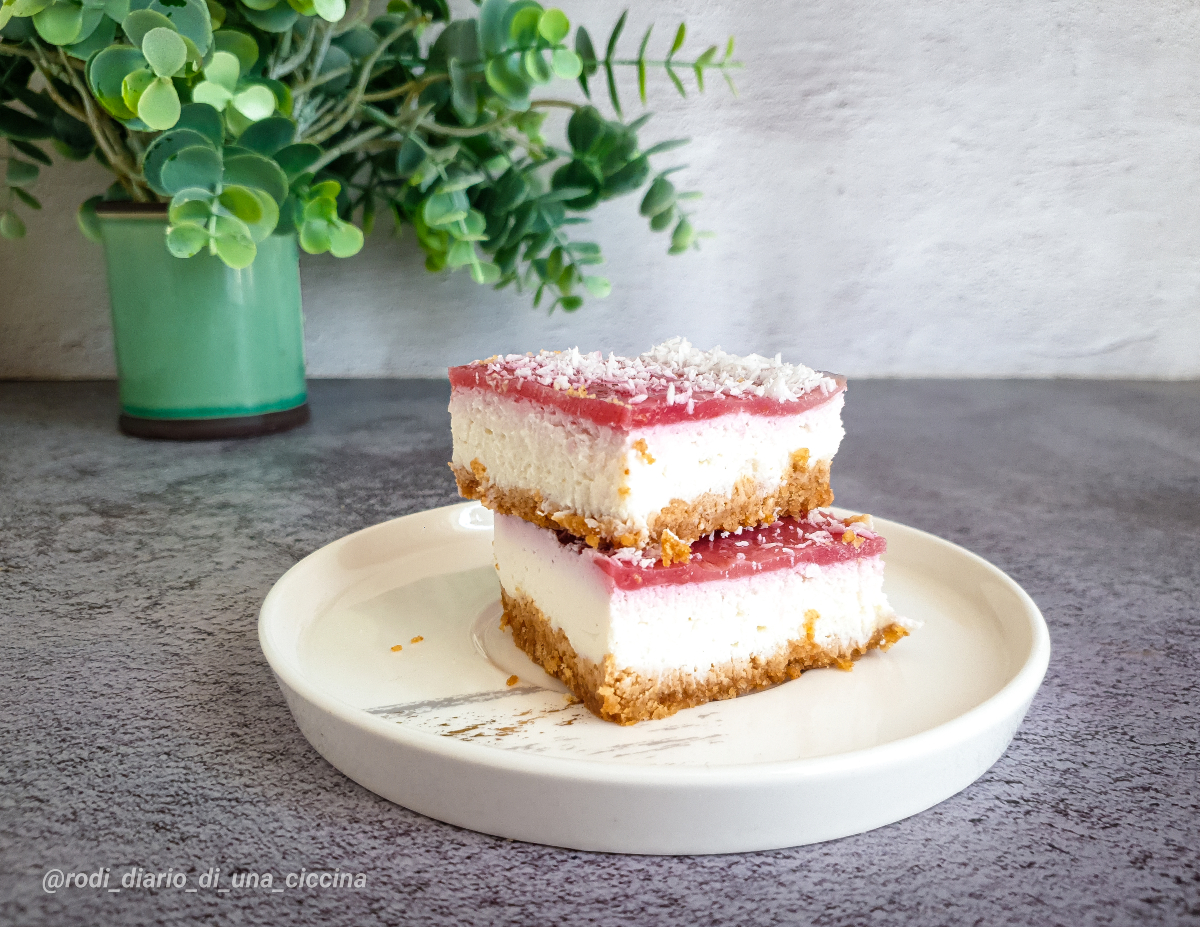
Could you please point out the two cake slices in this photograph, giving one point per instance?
(658, 535)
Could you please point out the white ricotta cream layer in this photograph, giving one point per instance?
(693, 626)
(595, 471)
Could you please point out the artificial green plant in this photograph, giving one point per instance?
(250, 117)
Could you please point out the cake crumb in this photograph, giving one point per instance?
(571, 698)
(849, 537)
(397, 647)
(673, 549)
(512, 681)
(417, 639)
(643, 450)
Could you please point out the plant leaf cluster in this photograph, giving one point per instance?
(255, 117)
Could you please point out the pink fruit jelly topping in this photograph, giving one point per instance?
(819, 538)
(625, 393)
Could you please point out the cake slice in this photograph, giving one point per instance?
(624, 452)
(636, 639)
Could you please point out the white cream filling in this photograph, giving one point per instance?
(689, 627)
(597, 471)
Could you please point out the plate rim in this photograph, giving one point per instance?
(1009, 701)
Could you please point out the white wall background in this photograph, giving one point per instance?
(903, 187)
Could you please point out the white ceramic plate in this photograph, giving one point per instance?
(435, 726)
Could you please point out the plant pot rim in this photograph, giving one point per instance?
(124, 209)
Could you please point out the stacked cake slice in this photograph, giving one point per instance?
(658, 535)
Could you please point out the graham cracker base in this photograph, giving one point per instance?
(747, 506)
(625, 696)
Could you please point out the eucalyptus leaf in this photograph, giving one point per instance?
(296, 159)
(140, 23)
(134, 85)
(682, 237)
(204, 119)
(87, 220)
(345, 240)
(585, 128)
(106, 73)
(358, 42)
(279, 18)
(238, 44)
(60, 23)
(409, 158)
(185, 241)
(190, 18)
(159, 105)
(336, 60)
(628, 178)
(27, 198)
(235, 248)
(224, 70)
(164, 51)
(20, 173)
(461, 252)
(566, 63)
(660, 196)
(101, 37)
(445, 208)
(536, 67)
(11, 226)
(269, 222)
(462, 93)
(597, 286)
(504, 75)
(254, 170)
(330, 10)
(241, 203)
(554, 26)
(31, 151)
(213, 95)
(191, 211)
(194, 166)
(485, 273)
(255, 102)
(17, 125)
(461, 182)
(663, 220)
(511, 190)
(314, 237)
(587, 55)
(492, 36)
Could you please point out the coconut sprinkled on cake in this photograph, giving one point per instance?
(674, 369)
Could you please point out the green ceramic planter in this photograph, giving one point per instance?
(203, 351)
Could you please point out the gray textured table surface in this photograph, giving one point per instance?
(142, 726)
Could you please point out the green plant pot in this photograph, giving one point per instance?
(203, 351)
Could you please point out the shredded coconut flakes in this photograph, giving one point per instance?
(674, 368)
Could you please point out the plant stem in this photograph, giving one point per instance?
(318, 81)
(563, 104)
(408, 87)
(106, 137)
(18, 51)
(349, 22)
(290, 64)
(348, 145)
(436, 128)
(360, 89)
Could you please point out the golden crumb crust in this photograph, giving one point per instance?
(805, 487)
(624, 696)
